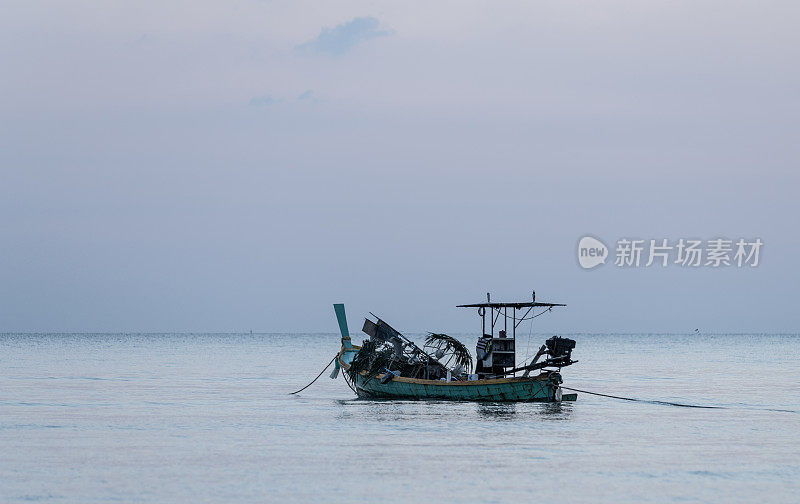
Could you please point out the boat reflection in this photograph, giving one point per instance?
(409, 411)
(497, 411)
(511, 411)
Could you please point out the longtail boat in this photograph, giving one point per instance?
(389, 365)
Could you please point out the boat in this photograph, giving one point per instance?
(389, 365)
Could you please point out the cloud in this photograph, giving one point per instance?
(341, 38)
(306, 95)
(262, 101)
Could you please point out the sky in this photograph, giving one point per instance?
(235, 166)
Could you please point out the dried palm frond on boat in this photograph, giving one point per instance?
(373, 358)
(449, 351)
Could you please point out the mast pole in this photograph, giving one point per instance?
(491, 316)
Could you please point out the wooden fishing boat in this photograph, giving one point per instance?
(390, 366)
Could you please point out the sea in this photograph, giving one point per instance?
(194, 418)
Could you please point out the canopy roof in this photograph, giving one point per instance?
(507, 305)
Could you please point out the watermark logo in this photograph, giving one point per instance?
(591, 252)
(683, 253)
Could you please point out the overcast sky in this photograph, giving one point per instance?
(227, 166)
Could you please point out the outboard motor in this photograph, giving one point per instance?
(560, 347)
(559, 354)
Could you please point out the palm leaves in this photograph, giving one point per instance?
(375, 357)
(458, 354)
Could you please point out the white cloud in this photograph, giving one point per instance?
(262, 101)
(343, 37)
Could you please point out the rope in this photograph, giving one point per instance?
(523, 318)
(347, 381)
(528, 347)
(317, 378)
(667, 403)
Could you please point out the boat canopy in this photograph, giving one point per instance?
(504, 348)
(501, 309)
(518, 306)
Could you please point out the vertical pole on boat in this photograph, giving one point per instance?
(483, 318)
(505, 332)
(491, 314)
(514, 323)
(514, 333)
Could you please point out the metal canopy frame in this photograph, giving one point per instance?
(518, 306)
(502, 309)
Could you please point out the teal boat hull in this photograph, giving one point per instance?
(517, 389)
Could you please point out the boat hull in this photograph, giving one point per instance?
(517, 389)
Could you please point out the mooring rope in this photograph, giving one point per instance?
(317, 378)
(667, 403)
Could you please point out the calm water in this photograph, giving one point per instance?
(208, 418)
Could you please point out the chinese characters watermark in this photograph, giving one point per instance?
(661, 253)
